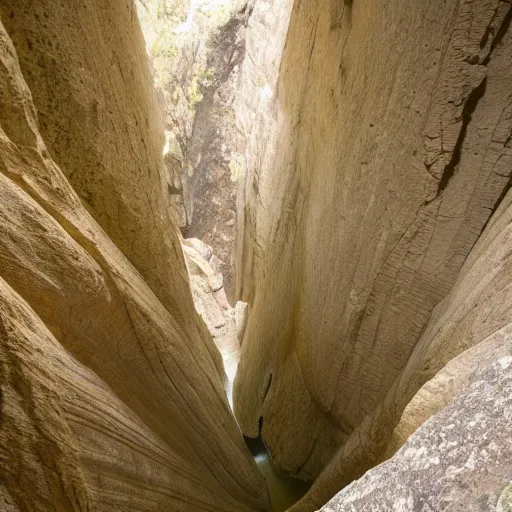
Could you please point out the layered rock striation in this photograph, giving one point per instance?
(112, 388)
(451, 446)
(383, 154)
(374, 253)
(467, 342)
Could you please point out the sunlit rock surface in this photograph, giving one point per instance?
(89, 78)
(112, 394)
(195, 50)
(225, 323)
(460, 459)
(473, 321)
(381, 154)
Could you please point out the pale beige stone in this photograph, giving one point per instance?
(87, 69)
(226, 324)
(383, 152)
(112, 401)
(459, 459)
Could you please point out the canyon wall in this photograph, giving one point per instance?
(89, 77)
(111, 387)
(469, 338)
(195, 49)
(384, 152)
(374, 253)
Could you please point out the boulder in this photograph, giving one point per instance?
(461, 458)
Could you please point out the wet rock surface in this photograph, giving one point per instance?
(283, 489)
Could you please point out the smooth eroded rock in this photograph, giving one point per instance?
(382, 154)
(111, 400)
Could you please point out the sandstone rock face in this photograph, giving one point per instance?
(255, 111)
(226, 324)
(440, 391)
(375, 257)
(479, 308)
(112, 394)
(89, 77)
(68, 443)
(177, 186)
(458, 460)
(387, 152)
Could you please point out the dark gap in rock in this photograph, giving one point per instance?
(283, 489)
(504, 192)
(467, 112)
(499, 35)
(267, 388)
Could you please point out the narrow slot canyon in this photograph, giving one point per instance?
(255, 255)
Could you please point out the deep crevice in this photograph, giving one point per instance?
(497, 204)
(470, 106)
(467, 113)
(284, 490)
(502, 30)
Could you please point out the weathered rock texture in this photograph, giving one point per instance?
(112, 394)
(461, 459)
(196, 49)
(87, 70)
(474, 320)
(389, 148)
(375, 255)
(216, 147)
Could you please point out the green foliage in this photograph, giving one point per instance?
(236, 167)
(206, 77)
(259, 82)
(178, 33)
(194, 95)
(165, 45)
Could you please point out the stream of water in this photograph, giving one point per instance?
(283, 490)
